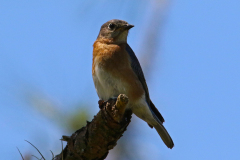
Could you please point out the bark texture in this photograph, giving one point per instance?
(94, 141)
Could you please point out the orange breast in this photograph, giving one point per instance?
(115, 60)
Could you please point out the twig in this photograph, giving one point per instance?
(99, 136)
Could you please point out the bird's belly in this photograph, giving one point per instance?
(107, 86)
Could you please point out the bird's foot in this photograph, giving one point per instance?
(102, 102)
(112, 98)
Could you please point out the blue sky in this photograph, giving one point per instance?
(47, 46)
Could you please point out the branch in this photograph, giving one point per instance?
(99, 136)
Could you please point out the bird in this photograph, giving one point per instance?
(116, 70)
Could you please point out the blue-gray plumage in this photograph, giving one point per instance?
(138, 71)
(116, 70)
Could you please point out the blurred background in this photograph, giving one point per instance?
(189, 51)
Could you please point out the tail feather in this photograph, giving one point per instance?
(156, 112)
(164, 135)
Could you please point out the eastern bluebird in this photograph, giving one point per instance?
(116, 70)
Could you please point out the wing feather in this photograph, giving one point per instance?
(138, 71)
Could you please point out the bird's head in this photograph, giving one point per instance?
(115, 30)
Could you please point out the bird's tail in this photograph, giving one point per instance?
(164, 135)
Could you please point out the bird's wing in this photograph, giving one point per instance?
(138, 71)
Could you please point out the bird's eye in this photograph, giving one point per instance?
(111, 26)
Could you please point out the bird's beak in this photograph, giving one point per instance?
(128, 26)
